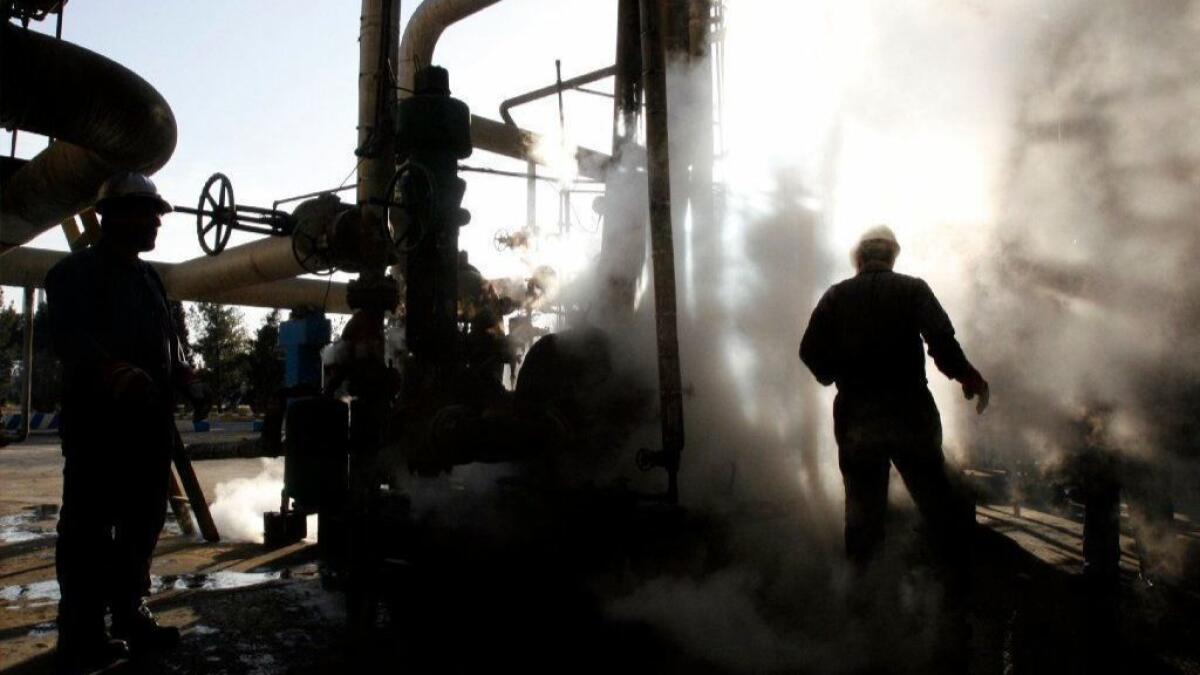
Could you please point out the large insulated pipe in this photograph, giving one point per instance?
(27, 266)
(422, 33)
(105, 119)
(662, 247)
(268, 259)
(510, 141)
(378, 28)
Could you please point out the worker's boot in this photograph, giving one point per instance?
(77, 654)
(139, 627)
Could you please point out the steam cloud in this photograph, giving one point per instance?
(241, 502)
(1040, 166)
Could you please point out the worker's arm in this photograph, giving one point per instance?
(183, 376)
(818, 346)
(947, 354)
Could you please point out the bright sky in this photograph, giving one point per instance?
(266, 92)
(897, 111)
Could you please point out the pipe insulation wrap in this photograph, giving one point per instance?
(106, 119)
(27, 266)
(422, 33)
(261, 261)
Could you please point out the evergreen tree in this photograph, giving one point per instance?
(221, 346)
(265, 363)
(47, 369)
(179, 320)
(10, 350)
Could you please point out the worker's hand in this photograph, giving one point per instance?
(200, 396)
(975, 387)
(130, 384)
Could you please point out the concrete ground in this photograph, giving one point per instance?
(243, 609)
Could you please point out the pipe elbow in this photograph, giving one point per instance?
(105, 119)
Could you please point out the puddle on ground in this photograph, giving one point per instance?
(37, 594)
(39, 521)
(27, 525)
(44, 629)
(42, 593)
(210, 581)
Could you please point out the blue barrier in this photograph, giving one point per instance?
(38, 422)
(201, 425)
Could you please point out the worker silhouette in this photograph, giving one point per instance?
(112, 327)
(865, 335)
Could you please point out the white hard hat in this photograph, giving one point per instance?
(129, 185)
(870, 241)
(880, 233)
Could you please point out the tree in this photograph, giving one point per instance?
(179, 321)
(10, 349)
(222, 348)
(265, 363)
(47, 369)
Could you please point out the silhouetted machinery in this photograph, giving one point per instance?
(444, 402)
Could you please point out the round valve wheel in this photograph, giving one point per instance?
(216, 214)
(310, 252)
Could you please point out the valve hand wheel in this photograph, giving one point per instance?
(309, 253)
(216, 214)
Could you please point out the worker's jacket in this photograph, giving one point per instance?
(104, 311)
(865, 334)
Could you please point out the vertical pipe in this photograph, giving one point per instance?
(623, 241)
(377, 53)
(27, 368)
(531, 196)
(661, 242)
(627, 100)
(371, 295)
(700, 259)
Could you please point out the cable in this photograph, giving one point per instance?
(347, 178)
(328, 287)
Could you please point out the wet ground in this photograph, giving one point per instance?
(741, 599)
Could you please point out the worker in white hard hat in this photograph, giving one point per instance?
(112, 326)
(865, 336)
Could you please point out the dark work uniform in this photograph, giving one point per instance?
(115, 481)
(865, 335)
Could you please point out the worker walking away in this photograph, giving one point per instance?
(865, 336)
(113, 329)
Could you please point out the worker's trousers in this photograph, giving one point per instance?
(902, 427)
(115, 486)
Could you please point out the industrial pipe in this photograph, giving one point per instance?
(422, 33)
(105, 119)
(509, 141)
(27, 266)
(378, 25)
(662, 247)
(261, 261)
(557, 87)
(26, 370)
